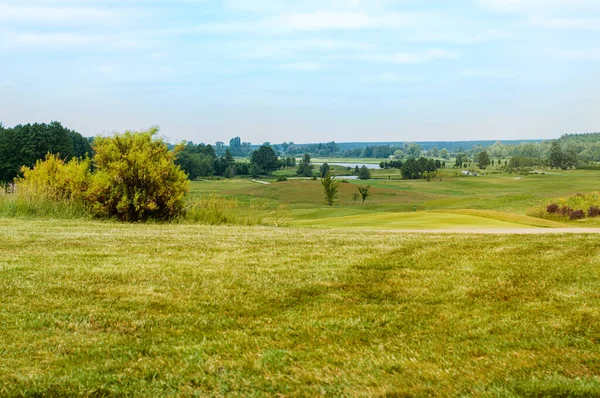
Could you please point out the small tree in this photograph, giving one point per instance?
(229, 171)
(483, 160)
(265, 159)
(364, 173)
(324, 169)
(355, 197)
(305, 168)
(254, 170)
(364, 192)
(330, 187)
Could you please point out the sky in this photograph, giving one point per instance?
(304, 70)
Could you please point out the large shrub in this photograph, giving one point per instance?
(135, 178)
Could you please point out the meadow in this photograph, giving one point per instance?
(296, 298)
(95, 308)
(450, 201)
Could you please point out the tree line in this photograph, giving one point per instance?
(23, 145)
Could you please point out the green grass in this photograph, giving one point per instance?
(424, 220)
(96, 308)
(464, 201)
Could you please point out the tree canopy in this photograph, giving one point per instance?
(265, 159)
(24, 145)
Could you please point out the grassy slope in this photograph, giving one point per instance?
(490, 201)
(421, 220)
(102, 308)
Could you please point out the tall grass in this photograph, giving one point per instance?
(213, 209)
(24, 206)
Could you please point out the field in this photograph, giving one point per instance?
(318, 300)
(99, 308)
(451, 201)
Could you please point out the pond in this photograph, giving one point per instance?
(370, 166)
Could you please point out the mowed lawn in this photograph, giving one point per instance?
(99, 308)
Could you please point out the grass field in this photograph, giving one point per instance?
(491, 201)
(100, 308)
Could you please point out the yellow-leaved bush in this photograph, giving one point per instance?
(56, 180)
(132, 177)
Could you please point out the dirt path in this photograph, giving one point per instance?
(499, 231)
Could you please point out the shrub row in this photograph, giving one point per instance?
(566, 211)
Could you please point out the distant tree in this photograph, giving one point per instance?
(191, 164)
(290, 162)
(556, 155)
(305, 167)
(265, 159)
(241, 169)
(330, 187)
(569, 160)
(410, 170)
(433, 152)
(324, 169)
(444, 154)
(235, 143)
(364, 173)
(229, 160)
(23, 145)
(399, 154)
(413, 150)
(498, 150)
(483, 160)
(220, 148)
(229, 172)
(81, 145)
(254, 171)
(356, 170)
(461, 158)
(364, 192)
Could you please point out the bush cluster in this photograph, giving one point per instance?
(132, 177)
(566, 211)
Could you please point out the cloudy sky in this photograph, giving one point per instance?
(304, 70)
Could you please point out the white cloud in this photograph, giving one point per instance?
(288, 48)
(389, 77)
(281, 6)
(577, 55)
(541, 6)
(568, 23)
(302, 67)
(486, 74)
(23, 40)
(342, 21)
(28, 13)
(409, 58)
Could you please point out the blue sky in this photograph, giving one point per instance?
(304, 71)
